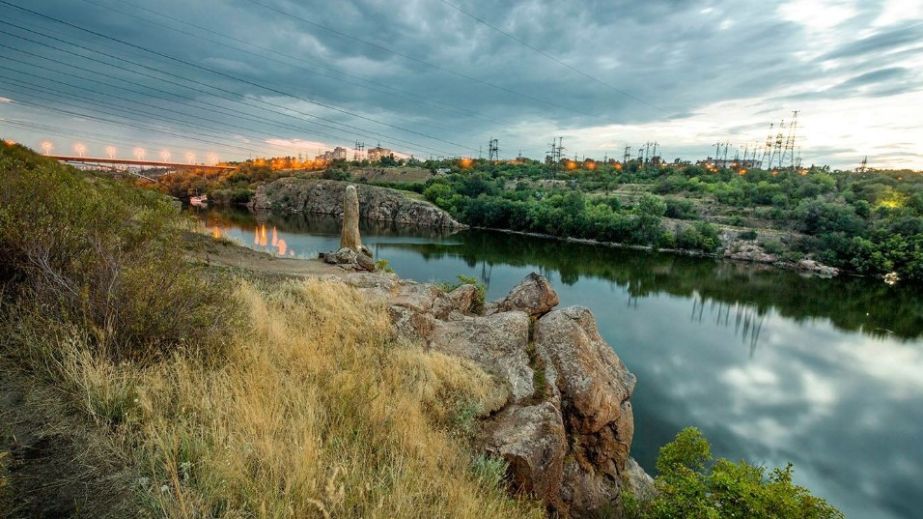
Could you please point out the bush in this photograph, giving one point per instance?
(699, 236)
(748, 235)
(101, 257)
(690, 483)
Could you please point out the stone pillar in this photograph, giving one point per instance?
(349, 235)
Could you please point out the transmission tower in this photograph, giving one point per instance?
(357, 154)
(767, 150)
(627, 156)
(777, 145)
(789, 149)
(863, 167)
(493, 150)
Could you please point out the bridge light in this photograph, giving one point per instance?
(111, 152)
(190, 157)
(139, 153)
(212, 158)
(80, 149)
(165, 155)
(47, 147)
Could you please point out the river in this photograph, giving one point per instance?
(773, 366)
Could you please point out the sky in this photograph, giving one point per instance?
(231, 79)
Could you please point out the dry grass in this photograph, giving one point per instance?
(318, 411)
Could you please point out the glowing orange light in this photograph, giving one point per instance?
(465, 163)
(618, 166)
(282, 247)
(80, 149)
(590, 165)
(742, 172)
(111, 152)
(571, 165)
(275, 237)
(775, 172)
(9, 142)
(139, 153)
(216, 232)
(165, 155)
(47, 147)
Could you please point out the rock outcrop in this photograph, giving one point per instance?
(566, 429)
(316, 196)
(351, 255)
(349, 235)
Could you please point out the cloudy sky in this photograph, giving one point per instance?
(230, 79)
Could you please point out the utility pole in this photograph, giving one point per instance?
(726, 144)
(627, 156)
(357, 154)
(863, 167)
(493, 150)
(717, 152)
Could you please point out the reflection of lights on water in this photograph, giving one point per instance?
(275, 237)
(282, 246)
(216, 232)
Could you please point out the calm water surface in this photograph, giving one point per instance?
(773, 367)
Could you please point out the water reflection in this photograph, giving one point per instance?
(772, 366)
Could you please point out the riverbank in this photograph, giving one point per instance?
(753, 256)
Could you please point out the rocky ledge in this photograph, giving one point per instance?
(566, 427)
(316, 196)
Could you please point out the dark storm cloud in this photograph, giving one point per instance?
(883, 41)
(425, 66)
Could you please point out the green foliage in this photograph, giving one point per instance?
(690, 483)
(99, 258)
(749, 235)
(383, 265)
(491, 471)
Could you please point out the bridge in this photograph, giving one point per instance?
(143, 163)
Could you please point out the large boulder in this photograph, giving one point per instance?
(595, 388)
(496, 342)
(531, 440)
(533, 295)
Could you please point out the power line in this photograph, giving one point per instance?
(230, 76)
(153, 116)
(212, 106)
(235, 95)
(413, 58)
(550, 56)
(375, 87)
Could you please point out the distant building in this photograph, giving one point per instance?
(377, 153)
(339, 153)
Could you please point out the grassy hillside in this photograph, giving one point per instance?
(149, 385)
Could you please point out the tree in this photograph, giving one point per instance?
(690, 483)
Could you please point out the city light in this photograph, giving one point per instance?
(190, 157)
(47, 147)
(80, 149)
(165, 155)
(111, 152)
(139, 153)
(465, 163)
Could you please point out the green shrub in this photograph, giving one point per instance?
(748, 235)
(100, 258)
(690, 483)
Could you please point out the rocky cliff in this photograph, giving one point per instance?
(566, 427)
(296, 195)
